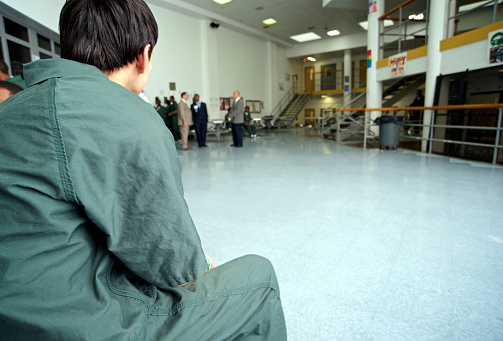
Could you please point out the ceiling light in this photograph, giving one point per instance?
(365, 24)
(333, 33)
(221, 2)
(305, 37)
(311, 59)
(416, 16)
(269, 21)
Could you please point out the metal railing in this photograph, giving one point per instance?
(482, 5)
(400, 31)
(430, 132)
(334, 79)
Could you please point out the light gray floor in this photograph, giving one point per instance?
(367, 245)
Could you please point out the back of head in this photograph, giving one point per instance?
(11, 87)
(108, 34)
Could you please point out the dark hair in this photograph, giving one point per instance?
(4, 68)
(12, 87)
(183, 93)
(108, 34)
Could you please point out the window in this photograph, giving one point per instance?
(23, 40)
(44, 42)
(16, 30)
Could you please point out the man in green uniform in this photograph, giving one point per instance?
(86, 253)
(248, 123)
(173, 116)
(5, 75)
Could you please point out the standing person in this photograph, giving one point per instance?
(173, 116)
(236, 115)
(249, 125)
(161, 110)
(85, 251)
(415, 115)
(184, 120)
(200, 118)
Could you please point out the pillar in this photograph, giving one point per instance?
(374, 87)
(436, 32)
(348, 86)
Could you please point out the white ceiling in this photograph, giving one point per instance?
(301, 16)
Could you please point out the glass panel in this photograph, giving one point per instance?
(16, 30)
(57, 49)
(19, 55)
(44, 42)
(328, 77)
(44, 56)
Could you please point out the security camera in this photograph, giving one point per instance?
(214, 25)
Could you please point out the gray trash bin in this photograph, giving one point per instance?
(389, 131)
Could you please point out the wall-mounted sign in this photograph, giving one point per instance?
(495, 40)
(396, 65)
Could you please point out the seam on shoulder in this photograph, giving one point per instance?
(59, 146)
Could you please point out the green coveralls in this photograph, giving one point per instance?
(162, 111)
(174, 121)
(86, 252)
(250, 129)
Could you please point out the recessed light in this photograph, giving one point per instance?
(333, 33)
(305, 37)
(311, 59)
(221, 2)
(269, 21)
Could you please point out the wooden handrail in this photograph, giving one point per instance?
(444, 107)
(395, 9)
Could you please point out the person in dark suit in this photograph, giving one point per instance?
(200, 119)
(236, 115)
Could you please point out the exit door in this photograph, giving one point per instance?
(308, 78)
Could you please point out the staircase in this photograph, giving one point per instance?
(350, 124)
(401, 88)
(292, 110)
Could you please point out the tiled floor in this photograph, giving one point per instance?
(367, 245)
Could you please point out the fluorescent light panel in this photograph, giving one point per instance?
(221, 2)
(333, 33)
(301, 38)
(269, 21)
(311, 59)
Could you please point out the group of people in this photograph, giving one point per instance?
(179, 117)
(9, 85)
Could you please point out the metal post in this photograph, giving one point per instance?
(338, 131)
(495, 9)
(430, 134)
(496, 143)
(365, 133)
(400, 31)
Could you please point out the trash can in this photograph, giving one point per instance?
(389, 131)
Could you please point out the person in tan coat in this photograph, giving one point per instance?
(184, 120)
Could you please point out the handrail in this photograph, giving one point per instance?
(288, 96)
(429, 136)
(395, 9)
(444, 107)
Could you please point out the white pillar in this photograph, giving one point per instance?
(374, 87)
(348, 86)
(210, 75)
(436, 32)
(272, 85)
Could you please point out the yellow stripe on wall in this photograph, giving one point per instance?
(470, 37)
(382, 63)
(417, 53)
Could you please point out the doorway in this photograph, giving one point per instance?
(308, 117)
(308, 78)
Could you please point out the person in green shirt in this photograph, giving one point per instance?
(86, 251)
(161, 110)
(173, 116)
(248, 123)
(227, 121)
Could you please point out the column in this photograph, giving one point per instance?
(272, 85)
(374, 87)
(348, 86)
(210, 77)
(436, 33)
